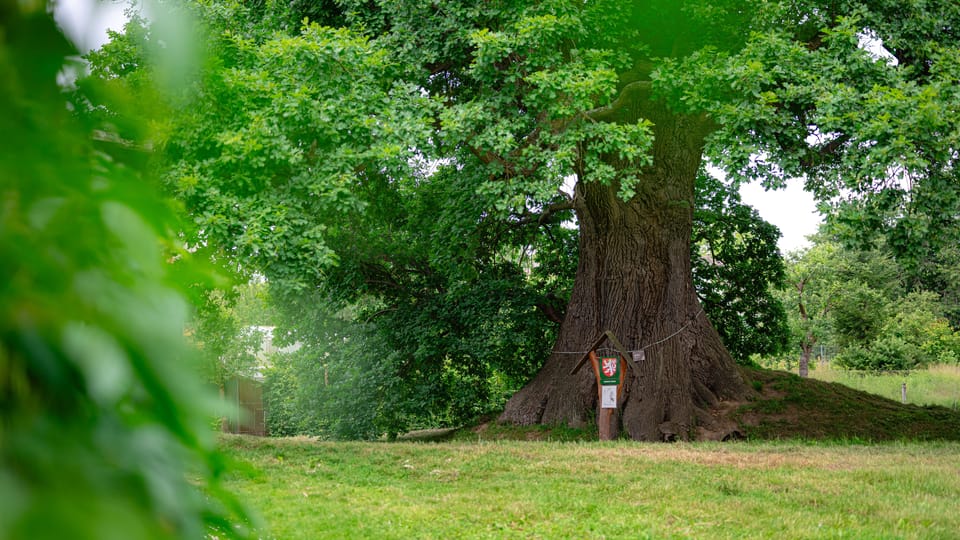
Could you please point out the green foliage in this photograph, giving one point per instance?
(855, 300)
(221, 331)
(918, 227)
(915, 335)
(510, 93)
(266, 143)
(441, 358)
(103, 423)
(884, 354)
(406, 158)
(941, 274)
(283, 415)
(858, 313)
(736, 271)
(342, 389)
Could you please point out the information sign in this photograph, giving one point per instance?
(608, 396)
(610, 371)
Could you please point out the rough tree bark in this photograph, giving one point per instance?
(634, 278)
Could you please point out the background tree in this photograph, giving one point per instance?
(917, 223)
(841, 294)
(865, 284)
(810, 296)
(223, 331)
(318, 129)
(737, 270)
(856, 301)
(228, 330)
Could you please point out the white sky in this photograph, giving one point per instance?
(86, 21)
(791, 209)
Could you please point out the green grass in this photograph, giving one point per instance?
(498, 481)
(541, 489)
(791, 407)
(938, 385)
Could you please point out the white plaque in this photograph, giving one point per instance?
(608, 396)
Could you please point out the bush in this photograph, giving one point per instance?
(915, 335)
(280, 390)
(338, 393)
(884, 354)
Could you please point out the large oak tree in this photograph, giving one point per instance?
(508, 100)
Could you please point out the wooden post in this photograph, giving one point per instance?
(903, 393)
(607, 370)
(609, 373)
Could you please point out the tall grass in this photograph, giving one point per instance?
(937, 385)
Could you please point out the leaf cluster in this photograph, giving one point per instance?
(275, 140)
(737, 270)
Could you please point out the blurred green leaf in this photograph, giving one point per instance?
(104, 426)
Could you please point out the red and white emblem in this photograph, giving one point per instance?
(609, 367)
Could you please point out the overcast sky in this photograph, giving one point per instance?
(86, 21)
(791, 209)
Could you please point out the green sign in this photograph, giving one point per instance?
(609, 371)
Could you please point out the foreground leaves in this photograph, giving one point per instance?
(102, 418)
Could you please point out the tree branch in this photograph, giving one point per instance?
(550, 308)
(628, 95)
(818, 155)
(487, 157)
(549, 211)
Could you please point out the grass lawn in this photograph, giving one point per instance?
(937, 385)
(542, 489)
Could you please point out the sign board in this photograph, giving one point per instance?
(610, 371)
(609, 377)
(608, 396)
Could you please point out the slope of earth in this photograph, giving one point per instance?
(791, 407)
(785, 407)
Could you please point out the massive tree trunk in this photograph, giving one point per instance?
(634, 278)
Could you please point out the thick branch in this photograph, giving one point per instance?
(618, 109)
(487, 157)
(529, 218)
(549, 211)
(552, 308)
(819, 155)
